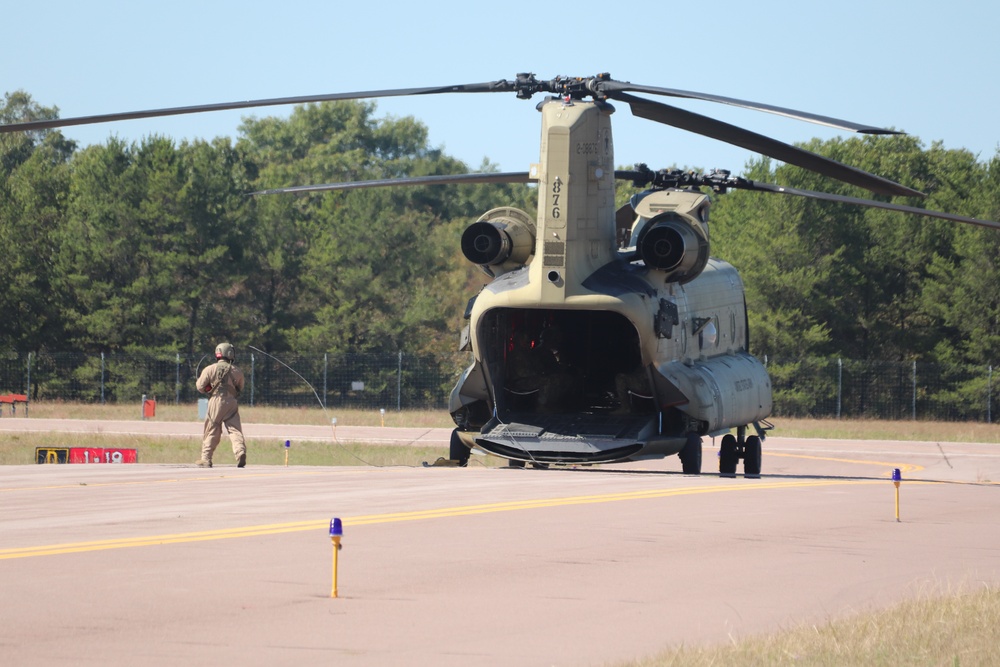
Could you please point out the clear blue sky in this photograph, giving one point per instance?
(928, 68)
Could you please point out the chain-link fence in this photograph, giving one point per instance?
(882, 390)
(818, 387)
(392, 382)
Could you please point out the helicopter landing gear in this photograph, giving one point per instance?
(732, 450)
(690, 455)
(728, 456)
(457, 450)
(751, 457)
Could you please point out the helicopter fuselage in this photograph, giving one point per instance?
(585, 352)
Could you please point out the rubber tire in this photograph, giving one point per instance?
(457, 451)
(690, 455)
(752, 457)
(728, 457)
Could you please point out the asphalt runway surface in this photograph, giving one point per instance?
(173, 564)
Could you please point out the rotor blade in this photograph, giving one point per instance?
(488, 87)
(709, 127)
(746, 184)
(446, 179)
(624, 86)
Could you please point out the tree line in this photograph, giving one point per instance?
(155, 246)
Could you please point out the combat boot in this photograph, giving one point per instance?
(202, 463)
(241, 462)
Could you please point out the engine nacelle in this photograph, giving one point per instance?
(673, 236)
(501, 240)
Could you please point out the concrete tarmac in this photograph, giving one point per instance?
(165, 565)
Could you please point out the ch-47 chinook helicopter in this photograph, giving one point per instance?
(604, 336)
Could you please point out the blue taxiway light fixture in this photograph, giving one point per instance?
(336, 532)
(896, 479)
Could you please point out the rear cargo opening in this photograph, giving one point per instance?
(558, 362)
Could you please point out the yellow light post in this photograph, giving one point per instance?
(336, 532)
(896, 479)
(288, 446)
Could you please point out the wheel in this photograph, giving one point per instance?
(751, 457)
(728, 456)
(690, 455)
(457, 451)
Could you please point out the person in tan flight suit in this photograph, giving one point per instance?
(224, 382)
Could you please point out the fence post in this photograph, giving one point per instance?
(102, 378)
(914, 391)
(177, 380)
(840, 385)
(399, 382)
(27, 394)
(252, 368)
(989, 396)
(325, 360)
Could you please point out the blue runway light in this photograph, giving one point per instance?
(896, 476)
(288, 443)
(336, 532)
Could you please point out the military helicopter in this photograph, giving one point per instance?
(604, 335)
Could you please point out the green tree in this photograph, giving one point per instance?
(367, 270)
(151, 255)
(963, 295)
(34, 182)
(857, 273)
(203, 256)
(761, 235)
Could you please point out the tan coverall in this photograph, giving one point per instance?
(224, 382)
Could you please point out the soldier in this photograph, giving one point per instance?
(224, 382)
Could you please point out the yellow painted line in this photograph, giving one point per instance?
(395, 517)
(903, 467)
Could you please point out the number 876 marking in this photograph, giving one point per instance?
(556, 194)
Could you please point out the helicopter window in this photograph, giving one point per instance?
(709, 334)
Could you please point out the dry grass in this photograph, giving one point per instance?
(871, 429)
(961, 629)
(249, 415)
(852, 429)
(18, 448)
